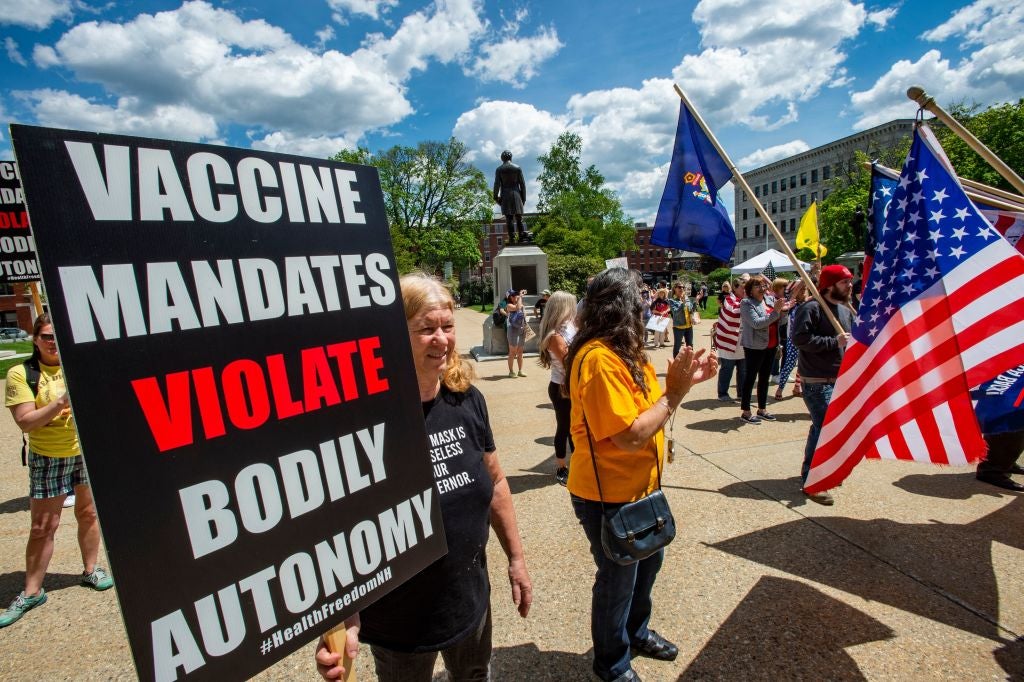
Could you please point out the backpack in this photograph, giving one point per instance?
(32, 373)
(498, 318)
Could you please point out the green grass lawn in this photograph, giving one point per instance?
(17, 346)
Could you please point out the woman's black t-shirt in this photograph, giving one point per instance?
(443, 603)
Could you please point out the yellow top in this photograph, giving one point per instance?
(612, 402)
(59, 438)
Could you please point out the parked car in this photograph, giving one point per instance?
(12, 333)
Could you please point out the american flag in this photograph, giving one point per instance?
(942, 310)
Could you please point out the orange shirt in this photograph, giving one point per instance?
(612, 402)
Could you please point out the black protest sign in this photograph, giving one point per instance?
(17, 249)
(238, 361)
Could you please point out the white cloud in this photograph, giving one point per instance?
(737, 77)
(756, 67)
(445, 35)
(881, 18)
(992, 73)
(129, 116)
(36, 14)
(13, 53)
(209, 61)
(763, 157)
(515, 60)
(320, 146)
(371, 8)
(324, 36)
(527, 132)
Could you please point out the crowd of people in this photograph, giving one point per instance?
(609, 447)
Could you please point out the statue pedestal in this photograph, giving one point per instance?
(518, 266)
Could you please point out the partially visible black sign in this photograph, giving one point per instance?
(17, 249)
(234, 345)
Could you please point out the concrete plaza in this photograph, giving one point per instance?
(915, 574)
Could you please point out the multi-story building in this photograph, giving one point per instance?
(788, 187)
(16, 306)
(657, 263)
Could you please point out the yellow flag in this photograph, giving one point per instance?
(807, 234)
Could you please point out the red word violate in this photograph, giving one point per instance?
(248, 393)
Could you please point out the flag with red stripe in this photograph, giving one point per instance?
(942, 311)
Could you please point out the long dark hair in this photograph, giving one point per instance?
(40, 322)
(612, 312)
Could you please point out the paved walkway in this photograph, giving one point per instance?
(915, 574)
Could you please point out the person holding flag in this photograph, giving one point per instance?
(942, 312)
(820, 353)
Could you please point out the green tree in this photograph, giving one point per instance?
(582, 217)
(1000, 128)
(570, 272)
(848, 191)
(436, 202)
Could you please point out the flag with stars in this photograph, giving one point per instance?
(942, 311)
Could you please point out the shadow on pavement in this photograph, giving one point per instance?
(953, 559)
(952, 487)
(14, 582)
(722, 425)
(1010, 657)
(786, 630)
(15, 505)
(509, 663)
(541, 475)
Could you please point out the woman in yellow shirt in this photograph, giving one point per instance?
(614, 388)
(55, 470)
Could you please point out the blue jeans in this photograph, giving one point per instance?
(725, 367)
(816, 397)
(678, 335)
(621, 602)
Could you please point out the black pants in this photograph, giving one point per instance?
(562, 406)
(1003, 451)
(759, 367)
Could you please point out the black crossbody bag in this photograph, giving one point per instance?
(637, 529)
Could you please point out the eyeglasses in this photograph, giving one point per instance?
(48, 337)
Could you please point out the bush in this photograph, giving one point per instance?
(716, 277)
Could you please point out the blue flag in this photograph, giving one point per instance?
(691, 216)
(1000, 402)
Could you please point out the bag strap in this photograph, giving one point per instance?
(590, 439)
(32, 374)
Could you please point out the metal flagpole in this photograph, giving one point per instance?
(742, 182)
(926, 101)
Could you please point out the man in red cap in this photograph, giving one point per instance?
(820, 352)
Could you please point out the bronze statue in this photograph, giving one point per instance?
(510, 194)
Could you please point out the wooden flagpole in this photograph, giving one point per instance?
(1010, 203)
(817, 228)
(994, 191)
(926, 101)
(742, 182)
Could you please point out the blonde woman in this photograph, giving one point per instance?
(454, 621)
(557, 329)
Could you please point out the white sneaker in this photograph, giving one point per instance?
(69, 501)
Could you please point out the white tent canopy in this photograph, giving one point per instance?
(779, 261)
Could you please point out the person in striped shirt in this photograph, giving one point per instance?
(726, 339)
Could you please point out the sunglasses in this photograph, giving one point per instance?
(48, 337)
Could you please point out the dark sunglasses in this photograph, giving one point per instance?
(48, 337)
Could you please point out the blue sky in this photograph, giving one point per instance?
(314, 76)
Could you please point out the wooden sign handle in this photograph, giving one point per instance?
(335, 639)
